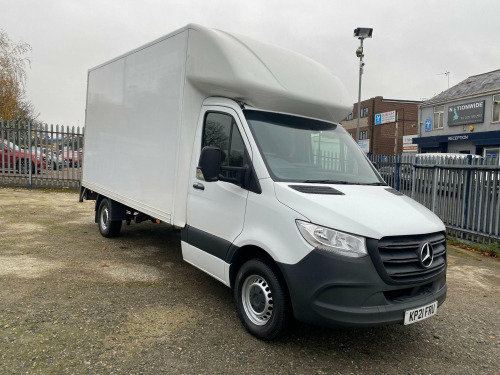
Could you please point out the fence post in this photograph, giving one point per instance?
(30, 184)
(467, 191)
(397, 173)
(434, 189)
(414, 177)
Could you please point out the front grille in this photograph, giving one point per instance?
(397, 258)
(402, 295)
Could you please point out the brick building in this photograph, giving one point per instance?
(383, 124)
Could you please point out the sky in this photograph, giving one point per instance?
(413, 42)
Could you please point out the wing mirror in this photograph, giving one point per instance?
(209, 163)
(210, 170)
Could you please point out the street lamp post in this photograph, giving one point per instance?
(361, 33)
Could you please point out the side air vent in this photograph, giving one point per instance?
(316, 189)
(394, 191)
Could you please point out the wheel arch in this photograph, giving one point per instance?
(96, 208)
(117, 210)
(241, 255)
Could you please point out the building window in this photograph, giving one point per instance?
(496, 109)
(438, 117)
(349, 117)
(363, 134)
(364, 112)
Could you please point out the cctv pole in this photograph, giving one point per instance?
(359, 89)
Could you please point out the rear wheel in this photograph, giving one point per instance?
(261, 299)
(107, 227)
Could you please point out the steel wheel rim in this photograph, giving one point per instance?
(257, 299)
(104, 218)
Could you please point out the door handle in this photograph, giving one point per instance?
(199, 186)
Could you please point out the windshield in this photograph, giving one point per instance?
(306, 150)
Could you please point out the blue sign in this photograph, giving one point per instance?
(378, 119)
(428, 124)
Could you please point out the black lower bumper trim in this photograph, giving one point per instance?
(332, 290)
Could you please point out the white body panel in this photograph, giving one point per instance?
(132, 127)
(369, 211)
(219, 209)
(214, 266)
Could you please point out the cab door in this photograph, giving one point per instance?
(216, 210)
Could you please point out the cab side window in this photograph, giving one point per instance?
(220, 130)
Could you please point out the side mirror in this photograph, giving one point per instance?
(209, 163)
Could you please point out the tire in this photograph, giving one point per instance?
(23, 167)
(261, 299)
(107, 227)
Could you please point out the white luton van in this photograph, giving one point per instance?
(237, 144)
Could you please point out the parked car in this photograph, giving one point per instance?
(72, 158)
(53, 160)
(14, 157)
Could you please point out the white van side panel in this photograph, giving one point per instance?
(132, 126)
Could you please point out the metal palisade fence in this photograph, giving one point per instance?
(463, 190)
(33, 154)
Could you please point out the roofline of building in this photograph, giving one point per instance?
(439, 102)
(482, 74)
(391, 100)
(401, 101)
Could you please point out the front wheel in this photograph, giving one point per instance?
(261, 299)
(107, 227)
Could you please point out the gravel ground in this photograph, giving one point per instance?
(73, 302)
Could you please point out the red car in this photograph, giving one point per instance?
(73, 158)
(18, 159)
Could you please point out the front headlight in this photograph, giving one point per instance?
(332, 240)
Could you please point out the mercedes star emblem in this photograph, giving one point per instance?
(426, 255)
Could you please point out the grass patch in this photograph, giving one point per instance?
(42, 189)
(491, 249)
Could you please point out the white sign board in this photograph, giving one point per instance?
(384, 118)
(408, 145)
(364, 145)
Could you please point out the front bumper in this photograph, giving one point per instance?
(331, 290)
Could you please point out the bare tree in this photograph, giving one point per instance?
(13, 63)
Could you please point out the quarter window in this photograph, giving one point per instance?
(496, 108)
(438, 117)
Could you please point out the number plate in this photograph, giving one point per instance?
(420, 313)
